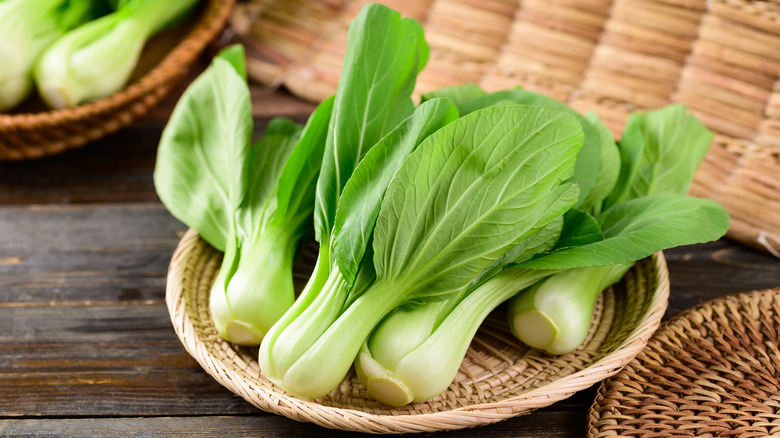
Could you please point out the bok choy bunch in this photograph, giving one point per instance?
(428, 217)
(253, 202)
(27, 28)
(469, 193)
(98, 58)
(660, 151)
(414, 353)
(372, 121)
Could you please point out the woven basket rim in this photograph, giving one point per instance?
(454, 418)
(683, 322)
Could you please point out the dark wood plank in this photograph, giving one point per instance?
(542, 424)
(99, 253)
(699, 273)
(121, 252)
(82, 318)
(96, 359)
(86, 343)
(85, 339)
(101, 360)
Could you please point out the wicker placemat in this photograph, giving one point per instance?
(499, 378)
(713, 370)
(719, 57)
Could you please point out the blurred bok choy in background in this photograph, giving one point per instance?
(73, 51)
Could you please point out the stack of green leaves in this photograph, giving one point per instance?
(427, 217)
(76, 50)
(634, 205)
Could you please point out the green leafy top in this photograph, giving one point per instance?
(470, 192)
(589, 166)
(647, 210)
(660, 152)
(640, 227)
(200, 173)
(210, 176)
(362, 196)
(384, 54)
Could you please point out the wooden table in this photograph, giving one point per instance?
(86, 343)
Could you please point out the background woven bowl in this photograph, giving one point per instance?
(28, 135)
(713, 370)
(721, 58)
(499, 378)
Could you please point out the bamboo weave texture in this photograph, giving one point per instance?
(499, 378)
(720, 58)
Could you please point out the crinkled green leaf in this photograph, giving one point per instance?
(362, 196)
(200, 170)
(660, 152)
(579, 228)
(266, 162)
(384, 54)
(298, 180)
(608, 167)
(541, 240)
(469, 193)
(587, 168)
(640, 227)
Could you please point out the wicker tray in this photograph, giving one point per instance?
(721, 58)
(713, 370)
(33, 131)
(499, 378)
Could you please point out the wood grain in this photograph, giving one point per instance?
(86, 344)
(53, 254)
(84, 330)
(98, 359)
(546, 423)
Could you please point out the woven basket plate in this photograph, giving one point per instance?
(499, 378)
(713, 370)
(32, 131)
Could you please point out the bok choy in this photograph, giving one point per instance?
(631, 232)
(27, 28)
(428, 217)
(372, 107)
(98, 58)
(660, 151)
(468, 194)
(404, 359)
(253, 202)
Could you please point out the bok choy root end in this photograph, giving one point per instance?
(555, 314)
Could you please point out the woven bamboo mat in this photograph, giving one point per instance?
(711, 371)
(721, 58)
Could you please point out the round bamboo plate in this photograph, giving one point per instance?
(32, 131)
(499, 378)
(713, 370)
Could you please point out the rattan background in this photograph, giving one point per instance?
(711, 371)
(721, 58)
(498, 379)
